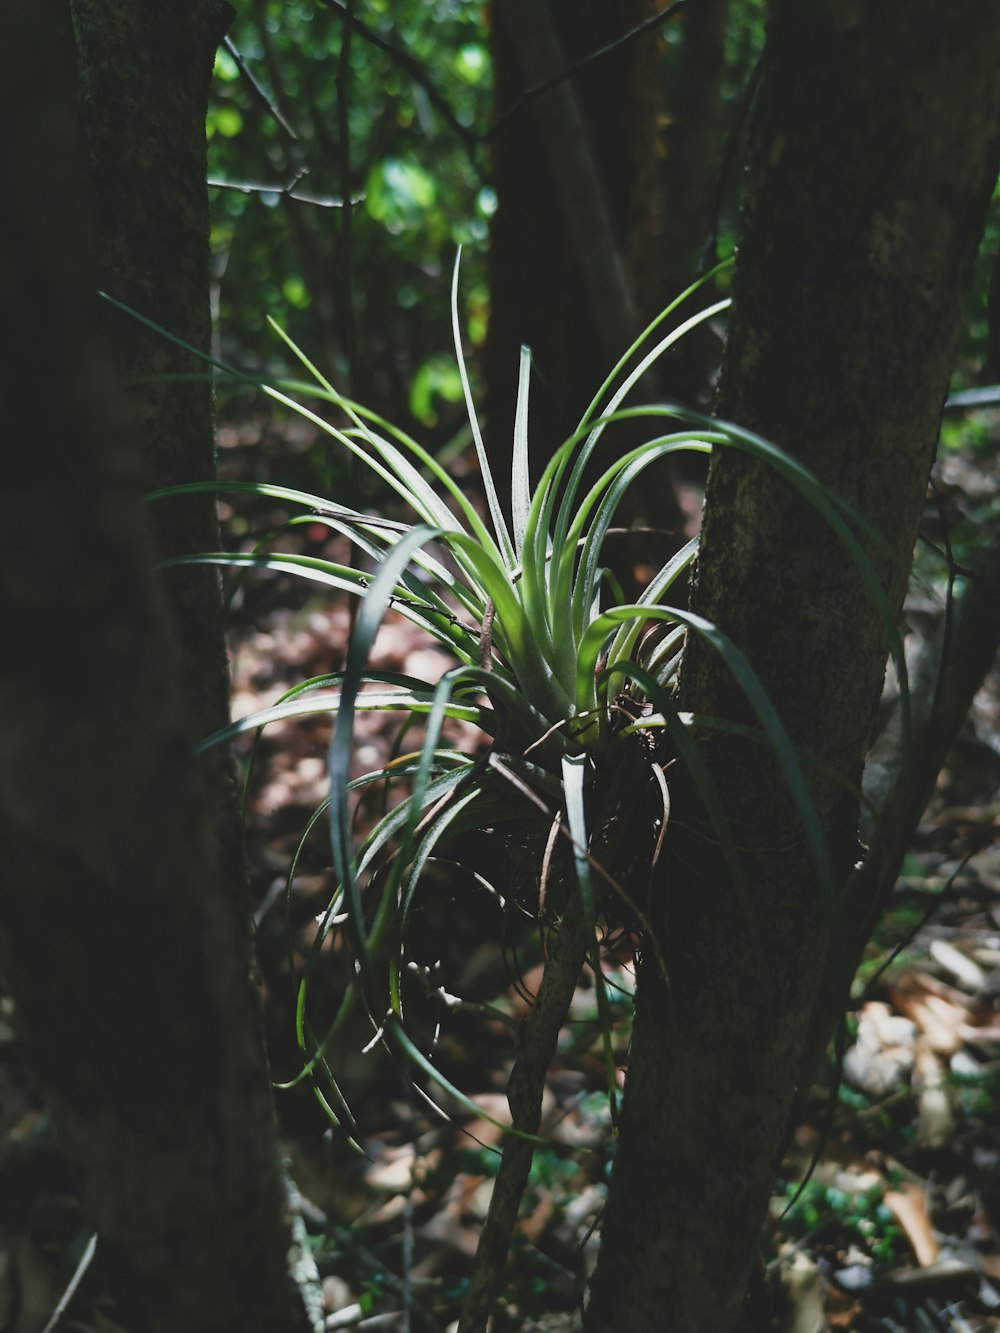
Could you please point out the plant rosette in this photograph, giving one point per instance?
(562, 684)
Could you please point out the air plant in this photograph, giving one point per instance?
(555, 679)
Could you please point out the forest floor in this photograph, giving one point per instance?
(898, 1226)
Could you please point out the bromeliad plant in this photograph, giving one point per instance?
(556, 679)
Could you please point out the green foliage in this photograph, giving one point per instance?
(744, 42)
(974, 349)
(437, 378)
(979, 1094)
(413, 161)
(975, 431)
(417, 186)
(862, 1215)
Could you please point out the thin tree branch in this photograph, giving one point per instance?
(290, 191)
(536, 1047)
(577, 66)
(417, 73)
(348, 323)
(626, 823)
(942, 687)
(470, 138)
(987, 396)
(347, 217)
(259, 92)
(898, 781)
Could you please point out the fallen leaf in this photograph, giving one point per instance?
(532, 1226)
(935, 1113)
(939, 1011)
(882, 1053)
(842, 1309)
(909, 1207)
(961, 967)
(947, 1272)
(802, 1286)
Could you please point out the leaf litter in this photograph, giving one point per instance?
(899, 1226)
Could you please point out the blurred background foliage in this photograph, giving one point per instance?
(369, 301)
(423, 125)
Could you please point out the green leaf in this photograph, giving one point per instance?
(399, 194)
(499, 525)
(520, 488)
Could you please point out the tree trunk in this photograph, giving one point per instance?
(692, 144)
(575, 176)
(144, 75)
(117, 932)
(874, 148)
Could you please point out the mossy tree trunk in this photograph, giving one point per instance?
(119, 910)
(875, 144)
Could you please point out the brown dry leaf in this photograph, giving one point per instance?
(979, 816)
(395, 1173)
(939, 1011)
(842, 1309)
(802, 1286)
(841, 1167)
(530, 981)
(935, 1114)
(532, 1226)
(882, 1054)
(334, 1191)
(459, 1220)
(979, 1032)
(946, 1017)
(384, 1214)
(336, 1293)
(853, 1178)
(909, 1207)
(485, 1132)
(958, 964)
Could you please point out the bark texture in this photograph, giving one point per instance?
(874, 148)
(116, 937)
(143, 76)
